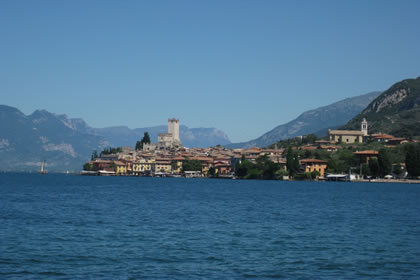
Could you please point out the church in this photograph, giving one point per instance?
(349, 136)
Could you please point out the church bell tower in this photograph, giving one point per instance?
(364, 127)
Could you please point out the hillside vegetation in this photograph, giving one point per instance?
(396, 111)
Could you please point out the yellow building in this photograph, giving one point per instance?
(206, 163)
(163, 165)
(310, 165)
(120, 168)
(177, 164)
(143, 166)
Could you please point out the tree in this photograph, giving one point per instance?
(374, 167)
(267, 167)
(108, 151)
(94, 155)
(385, 165)
(87, 167)
(212, 172)
(365, 169)
(280, 173)
(292, 162)
(144, 140)
(242, 169)
(192, 165)
(332, 166)
(315, 174)
(310, 138)
(412, 160)
(398, 170)
(139, 145)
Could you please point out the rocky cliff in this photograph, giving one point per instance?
(396, 111)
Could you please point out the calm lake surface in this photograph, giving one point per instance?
(72, 227)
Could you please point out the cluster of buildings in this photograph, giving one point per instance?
(362, 136)
(167, 157)
(169, 162)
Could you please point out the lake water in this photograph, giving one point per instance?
(72, 227)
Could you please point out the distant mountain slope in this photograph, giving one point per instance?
(313, 121)
(396, 111)
(27, 140)
(67, 143)
(190, 137)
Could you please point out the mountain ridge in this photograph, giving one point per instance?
(396, 111)
(313, 121)
(66, 143)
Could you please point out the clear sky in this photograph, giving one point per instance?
(241, 66)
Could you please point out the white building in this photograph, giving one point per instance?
(170, 139)
(349, 136)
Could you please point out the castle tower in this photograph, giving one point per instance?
(173, 128)
(364, 127)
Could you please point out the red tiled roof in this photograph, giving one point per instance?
(382, 136)
(312, 160)
(308, 148)
(367, 152)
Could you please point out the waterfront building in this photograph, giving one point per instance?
(120, 168)
(143, 166)
(163, 165)
(310, 165)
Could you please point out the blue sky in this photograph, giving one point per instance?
(241, 66)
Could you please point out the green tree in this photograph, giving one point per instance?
(315, 174)
(292, 162)
(108, 151)
(310, 138)
(385, 164)
(412, 160)
(144, 140)
(365, 169)
(88, 167)
(333, 166)
(94, 155)
(192, 165)
(212, 172)
(243, 168)
(267, 167)
(398, 170)
(374, 167)
(139, 145)
(280, 173)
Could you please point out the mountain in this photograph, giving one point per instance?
(314, 121)
(396, 111)
(190, 137)
(66, 143)
(27, 140)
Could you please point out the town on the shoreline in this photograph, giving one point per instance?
(344, 155)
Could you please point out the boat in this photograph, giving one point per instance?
(43, 169)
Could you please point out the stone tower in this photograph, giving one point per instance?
(364, 127)
(173, 128)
